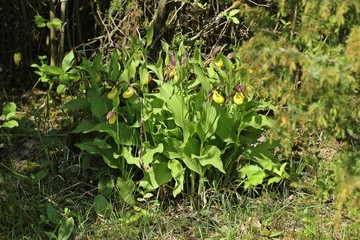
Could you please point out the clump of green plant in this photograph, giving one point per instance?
(185, 122)
(64, 223)
(6, 118)
(55, 76)
(204, 118)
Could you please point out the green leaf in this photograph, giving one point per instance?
(98, 103)
(102, 207)
(274, 180)
(107, 154)
(258, 121)
(9, 110)
(275, 234)
(255, 180)
(172, 148)
(227, 63)
(249, 170)
(148, 156)
(156, 176)
(157, 70)
(222, 73)
(181, 49)
(177, 172)
(132, 69)
(127, 188)
(212, 74)
(64, 78)
(115, 65)
(40, 175)
(233, 12)
(176, 104)
(208, 123)
(106, 185)
(52, 214)
(130, 159)
(39, 21)
(198, 56)
(84, 127)
(165, 46)
(125, 75)
(66, 228)
(210, 156)
(126, 134)
(280, 171)
(144, 75)
(235, 20)
(201, 76)
(67, 61)
(225, 129)
(101, 143)
(61, 88)
(34, 65)
(149, 35)
(76, 104)
(74, 74)
(255, 175)
(10, 124)
(97, 63)
(191, 148)
(262, 156)
(52, 70)
(55, 23)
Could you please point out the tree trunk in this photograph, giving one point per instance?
(53, 43)
(62, 32)
(161, 15)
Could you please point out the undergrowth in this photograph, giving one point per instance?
(257, 139)
(305, 210)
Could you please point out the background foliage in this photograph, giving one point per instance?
(167, 99)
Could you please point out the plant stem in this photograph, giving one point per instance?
(201, 188)
(192, 176)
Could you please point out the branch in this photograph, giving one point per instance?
(260, 5)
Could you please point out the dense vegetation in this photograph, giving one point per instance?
(135, 119)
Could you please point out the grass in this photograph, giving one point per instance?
(296, 213)
(308, 208)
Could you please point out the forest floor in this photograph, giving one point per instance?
(38, 169)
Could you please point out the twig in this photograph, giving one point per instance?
(175, 14)
(108, 33)
(222, 32)
(259, 4)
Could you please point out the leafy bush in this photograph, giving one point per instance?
(185, 122)
(189, 122)
(8, 112)
(309, 68)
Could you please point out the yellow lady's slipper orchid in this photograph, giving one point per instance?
(111, 117)
(218, 98)
(173, 73)
(219, 63)
(129, 92)
(239, 98)
(112, 94)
